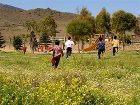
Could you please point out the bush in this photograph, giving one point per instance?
(1, 41)
(44, 38)
(127, 38)
(17, 42)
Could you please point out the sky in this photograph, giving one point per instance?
(72, 6)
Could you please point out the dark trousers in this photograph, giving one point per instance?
(55, 61)
(100, 51)
(68, 52)
(115, 49)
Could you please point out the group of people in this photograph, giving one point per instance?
(58, 52)
(101, 46)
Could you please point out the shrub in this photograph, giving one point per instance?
(127, 38)
(1, 41)
(17, 42)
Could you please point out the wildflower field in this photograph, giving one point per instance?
(82, 80)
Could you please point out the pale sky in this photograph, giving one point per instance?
(94, 6)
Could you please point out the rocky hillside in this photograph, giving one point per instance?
(13, 18)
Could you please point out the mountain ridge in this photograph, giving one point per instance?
(12, 19)
(9, 6)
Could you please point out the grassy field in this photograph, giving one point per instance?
(82, 80)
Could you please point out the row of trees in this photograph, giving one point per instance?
(85, 24)
(82, 27)
(20, 41)
(46, 28)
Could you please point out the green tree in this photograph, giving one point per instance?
(102, 22)
(85, 14)
(17, 42)
(44, 38)
(2, 41)
(137, 28)
(48, 27)
(32, 27)
(25, 38)
(93, 31)
(122, 21)
(82, 27)
(33, 41)
(79, 29)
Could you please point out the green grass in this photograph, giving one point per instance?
(82, 80)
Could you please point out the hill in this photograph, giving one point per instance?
(13, 18)
(9, 6)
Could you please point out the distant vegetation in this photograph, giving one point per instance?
(2, 41)
(85, 25)
(17, 42)
(80, 26)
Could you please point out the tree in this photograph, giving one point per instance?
(84, 13)
(137, 28)
(122, 21)
(82, 27)
(32, 27)
(2, 41)
(33, 41)
(17, 42)
(103, 21)
(48, 27)
(79, 29)
(44, 38)
(24, 38)
(93, 31)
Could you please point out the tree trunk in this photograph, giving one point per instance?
(53, 41)
(78, 46)
(31, 47)
(123, 41)
(90, 40)
(32, 41)
(64, 43)
(82, 46)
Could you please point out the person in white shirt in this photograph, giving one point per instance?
(68, 45)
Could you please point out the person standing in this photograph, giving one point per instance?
(101, 47)
(115, 44)
(68, 45)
